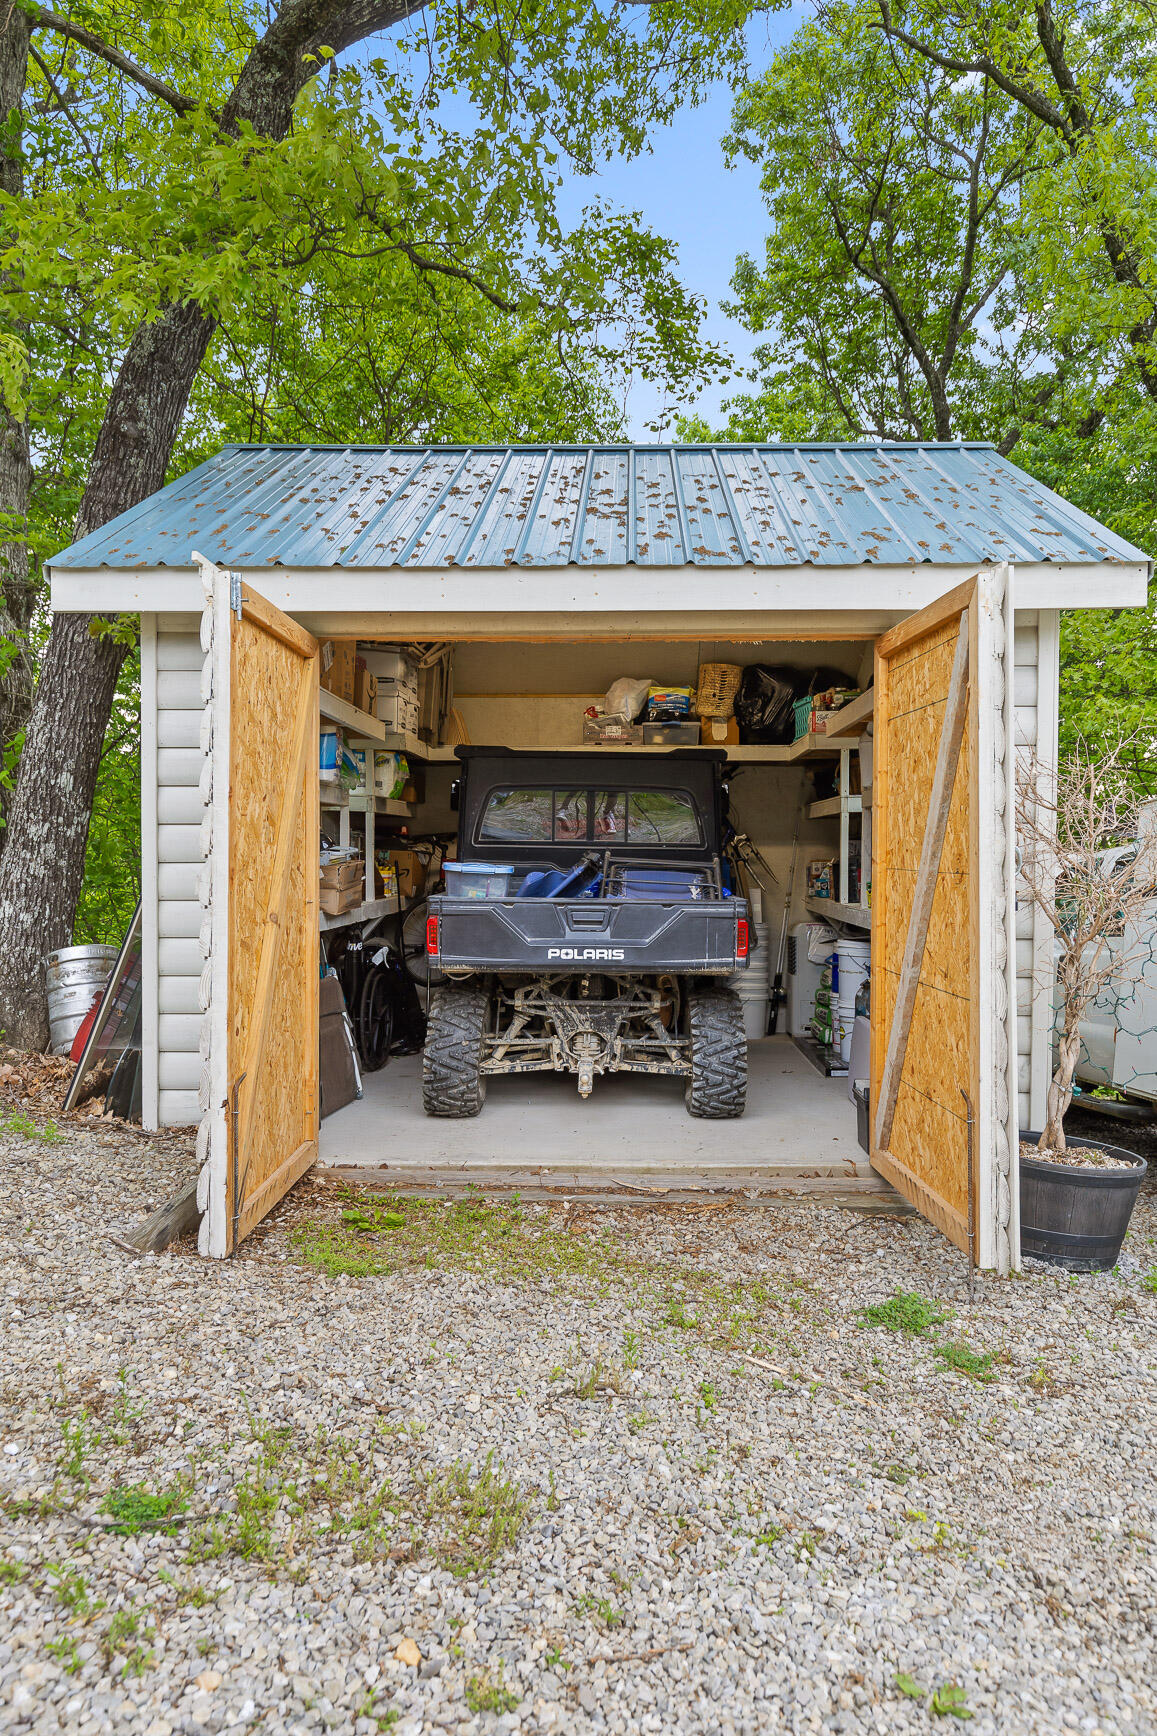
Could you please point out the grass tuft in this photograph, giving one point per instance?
(475, 1515)
(487, 1693)
(133, 1509)
(958, 1358)
(19, 1122)
(907, 1312)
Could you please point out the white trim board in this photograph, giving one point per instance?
(1043, 962)
(324, 599)
(150, 969)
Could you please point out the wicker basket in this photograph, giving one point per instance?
(718, 685)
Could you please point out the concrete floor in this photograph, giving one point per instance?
(798, 1126)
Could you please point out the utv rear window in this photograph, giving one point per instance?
(644, 817)
(661, 817)
(534, 817)
(609, 817)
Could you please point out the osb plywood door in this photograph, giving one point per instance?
(260, 840)
(943, 953)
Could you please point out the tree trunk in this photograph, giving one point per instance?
(42, 867)
(1061, 1089)
(16, 592)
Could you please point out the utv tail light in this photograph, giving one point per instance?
(432, 936)
(741, 937)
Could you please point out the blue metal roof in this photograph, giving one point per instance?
(547, 506)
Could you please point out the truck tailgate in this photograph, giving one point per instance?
(565, 935)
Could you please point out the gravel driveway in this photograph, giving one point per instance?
(466, 1468)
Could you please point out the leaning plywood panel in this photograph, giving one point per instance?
(259, 929)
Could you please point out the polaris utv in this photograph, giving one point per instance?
(591, 930)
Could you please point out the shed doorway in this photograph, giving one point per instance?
(800, 1122)
(941, 898)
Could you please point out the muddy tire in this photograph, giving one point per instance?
(718, 1088)
(452, 1080)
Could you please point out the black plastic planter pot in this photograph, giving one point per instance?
(1077, 1218)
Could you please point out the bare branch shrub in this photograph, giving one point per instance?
(1065, 823)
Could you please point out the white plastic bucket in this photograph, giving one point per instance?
(855, 957)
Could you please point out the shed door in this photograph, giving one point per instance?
(259, 888)
(943, 916)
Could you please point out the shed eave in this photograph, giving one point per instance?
(575, 589)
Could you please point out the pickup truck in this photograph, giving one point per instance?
(606, 938)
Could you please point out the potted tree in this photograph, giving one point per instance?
(1088, 863)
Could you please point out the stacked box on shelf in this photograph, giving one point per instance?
(342, 883)
(397, 694)
(339, 667)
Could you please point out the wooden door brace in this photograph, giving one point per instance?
(939, 803)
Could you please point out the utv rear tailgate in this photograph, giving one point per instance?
(564, 935)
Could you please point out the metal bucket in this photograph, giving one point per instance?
(73, 975)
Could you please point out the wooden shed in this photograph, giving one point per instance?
(930, 576)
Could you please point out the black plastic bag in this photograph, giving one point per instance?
(763, 705)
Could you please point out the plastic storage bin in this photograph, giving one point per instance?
(477, 880)
(671, 734)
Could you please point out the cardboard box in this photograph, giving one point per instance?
(338, 876)
(399, 715)
(335, 902)
(611, 732)
(338, 667)
(365, 687)
(410, 869)
(719, 732)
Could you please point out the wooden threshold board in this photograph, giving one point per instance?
(624, 1186)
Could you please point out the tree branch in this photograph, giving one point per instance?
(45, 20)
(65, 108)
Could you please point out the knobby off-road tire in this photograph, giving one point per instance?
(452, 1079)
(718, 1088)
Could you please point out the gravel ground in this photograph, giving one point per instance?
(718, 1499)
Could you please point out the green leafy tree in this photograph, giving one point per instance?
(940, 265)
(182, 175)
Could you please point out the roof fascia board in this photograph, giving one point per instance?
(479, 591)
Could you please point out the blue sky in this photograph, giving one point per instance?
(686, 192)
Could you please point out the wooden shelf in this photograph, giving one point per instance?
(739, 753)
(852, 718)
(360, 803)
(832, 806)
(413, 748)
(830, 910)
(360, 913)
(357, 722)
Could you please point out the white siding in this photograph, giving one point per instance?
(1036, 678)
(174, 697)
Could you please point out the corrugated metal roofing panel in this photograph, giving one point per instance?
(821, 505)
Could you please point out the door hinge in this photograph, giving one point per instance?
(235, 594)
